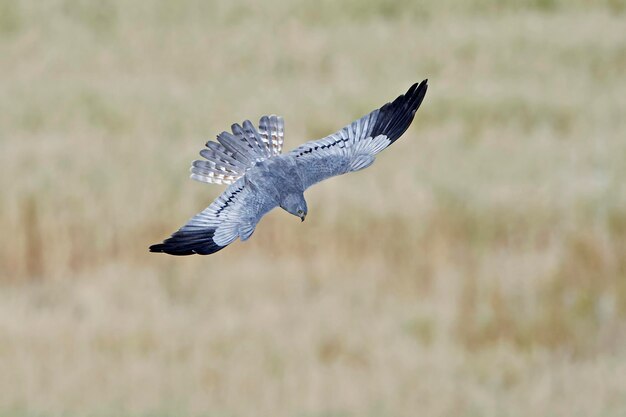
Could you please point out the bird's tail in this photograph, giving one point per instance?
(234, 153)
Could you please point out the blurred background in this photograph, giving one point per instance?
(477, 269)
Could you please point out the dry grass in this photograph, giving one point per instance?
(477, 269)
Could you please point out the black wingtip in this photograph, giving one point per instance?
(419, 94)
(159, 247)
(170, 250)
(185, 242)
(395, 118)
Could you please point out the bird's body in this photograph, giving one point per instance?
(261, 178)
(276, 177)
(277, 180)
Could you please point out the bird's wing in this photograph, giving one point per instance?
(234, 153)
(354, 147)
(233, 214)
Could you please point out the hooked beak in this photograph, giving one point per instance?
(302, 217)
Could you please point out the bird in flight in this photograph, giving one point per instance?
(261, 178)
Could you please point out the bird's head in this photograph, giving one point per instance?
(295, 204)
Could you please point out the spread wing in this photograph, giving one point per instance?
(354, 147)
(234, 153)
(233, 214)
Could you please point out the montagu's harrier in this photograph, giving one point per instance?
(261, 178)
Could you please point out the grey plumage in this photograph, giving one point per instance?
(261, 178)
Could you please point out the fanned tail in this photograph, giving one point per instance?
(234, 153)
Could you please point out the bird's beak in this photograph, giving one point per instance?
(302, 217)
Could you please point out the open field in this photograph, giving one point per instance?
(478, 268)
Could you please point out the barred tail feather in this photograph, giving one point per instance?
(272, 132)
(234, 153)
(211, 172)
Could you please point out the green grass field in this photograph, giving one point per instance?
(478, 268)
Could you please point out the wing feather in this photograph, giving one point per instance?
(233, 214)
(354, 147)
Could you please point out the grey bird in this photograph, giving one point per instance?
(261, 178)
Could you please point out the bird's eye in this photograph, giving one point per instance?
(300, 212)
